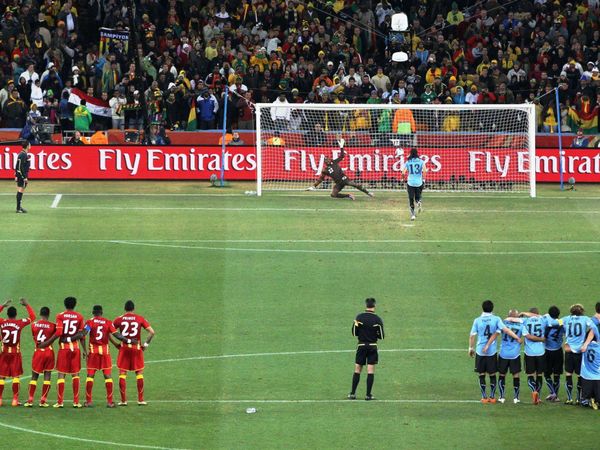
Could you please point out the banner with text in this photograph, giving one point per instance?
(199, 163)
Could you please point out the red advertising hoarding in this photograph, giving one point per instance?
(197, 163)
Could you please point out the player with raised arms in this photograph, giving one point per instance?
(415, 167)
(11, 361)
(333, 170)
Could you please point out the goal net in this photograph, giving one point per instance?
(466, 148)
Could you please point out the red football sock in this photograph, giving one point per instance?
(32, 387)
(140, 387)
(45, 390)
(89, 385)
(76, 389)
(1, 390)
(123, 387)
(60, 387)
(16, 384)
(109, 390)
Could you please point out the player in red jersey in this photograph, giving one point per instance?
(43, 358)
(131, 356)
(100, 329)
(11, 362)
(68, 324)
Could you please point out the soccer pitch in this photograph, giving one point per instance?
(252, 300)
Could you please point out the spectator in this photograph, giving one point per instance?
(280, 114)
(117, 104)
(134, 111)
(235, 139)
(580, 141)
(317, 138)
(153, 137)
(207, 110)
(75, 139)
(14, 111)
(82, 117)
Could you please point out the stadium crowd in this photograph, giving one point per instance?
(181, 54)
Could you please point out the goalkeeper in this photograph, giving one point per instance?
(333, 170)
(415, 168)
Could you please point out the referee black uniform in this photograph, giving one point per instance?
(368, 328)
(21, 175)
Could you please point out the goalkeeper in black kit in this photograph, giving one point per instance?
(333, 170)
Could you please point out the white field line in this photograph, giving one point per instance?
(78, 439)
(56, 201)
(323, 210)
(310, 401)
(354, 252)
(308, 241)
(303, 352)
(386, 194)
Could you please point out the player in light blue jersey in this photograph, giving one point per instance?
(510, 355)
(485, 327)
(534, 330)
(554, 354)
(576, 327)
(590, 364)
(415, 167)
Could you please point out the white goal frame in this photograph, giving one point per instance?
(528, 108)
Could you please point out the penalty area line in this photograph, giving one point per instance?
(56, 201)
(312, 401)
(78, 439)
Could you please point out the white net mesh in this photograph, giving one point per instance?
(466, 148)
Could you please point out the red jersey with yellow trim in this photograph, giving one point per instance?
(130, 325)
(68, 324)
(10, 332)
(99, 330)
(42, 330)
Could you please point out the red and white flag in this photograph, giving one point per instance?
(96, 106)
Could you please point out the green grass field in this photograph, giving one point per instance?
(252, 300)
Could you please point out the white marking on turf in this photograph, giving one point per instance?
(308, 241)
(325, 210)
(56, 201)
(302, 352)
(89, 441)
(315, 401)
(354, 252)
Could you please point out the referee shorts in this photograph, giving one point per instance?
(21, 182)
(554, 362)
(486, 364)
(514, 365)
(572, 362)
(535, 364)
(366, 354)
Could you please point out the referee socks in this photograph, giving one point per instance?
(370, 380)
(355, 381)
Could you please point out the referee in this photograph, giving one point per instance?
(368, 328)
(21, 174)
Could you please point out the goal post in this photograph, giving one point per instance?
(466, 148)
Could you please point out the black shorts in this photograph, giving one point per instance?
(341, 183)
(486, 364)
(590, 389)
(513, 364)
(554, 362)
(572, 362)
(366, 354)
(21, 182)
(535, 364)
(414, 192)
